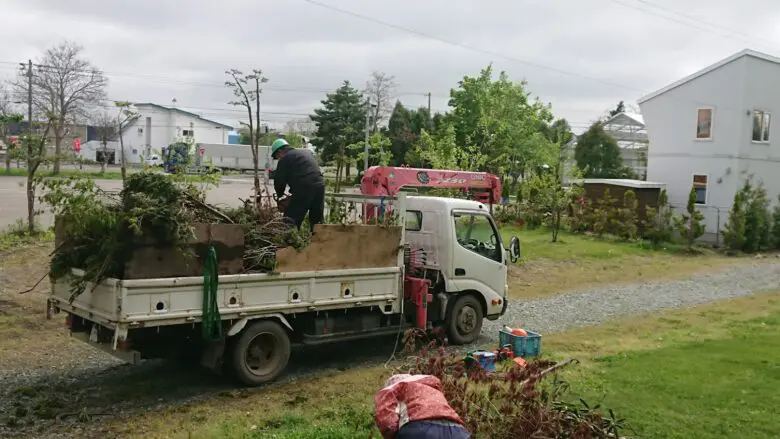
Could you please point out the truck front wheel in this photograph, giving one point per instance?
(261, 353)
(464, 322)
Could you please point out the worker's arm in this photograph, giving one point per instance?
(281, 176)
(385, 412)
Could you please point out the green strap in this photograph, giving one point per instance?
(212, 321)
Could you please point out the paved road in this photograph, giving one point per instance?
(13, 200)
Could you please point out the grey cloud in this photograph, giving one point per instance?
(312, 49)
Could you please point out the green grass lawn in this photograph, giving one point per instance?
(702, 372)
(706, 372)
(579, 261)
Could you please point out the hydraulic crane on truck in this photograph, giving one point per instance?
(389, 180)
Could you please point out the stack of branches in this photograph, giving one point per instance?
(513, 401)
(100, 231)
(265, 231)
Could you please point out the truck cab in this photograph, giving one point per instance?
(463, 255)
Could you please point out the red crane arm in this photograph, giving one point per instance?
(388, 180)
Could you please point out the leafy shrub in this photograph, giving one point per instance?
(580, 216)
(750, 224)
(658, 222)
(625, 223)
(776, 225)
(757, 219)
(690, 224)
(603, 214)
(516, 403)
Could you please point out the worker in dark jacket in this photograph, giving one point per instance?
(298, 168)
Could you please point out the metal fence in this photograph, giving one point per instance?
(715, 218)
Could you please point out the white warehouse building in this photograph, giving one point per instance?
(158, 126)
(712, 129)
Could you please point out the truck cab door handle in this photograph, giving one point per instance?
(460, 272)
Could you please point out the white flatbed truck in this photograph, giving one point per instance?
(263, 315)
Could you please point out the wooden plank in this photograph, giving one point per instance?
(148, 261)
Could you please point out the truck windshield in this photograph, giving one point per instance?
(476, 232)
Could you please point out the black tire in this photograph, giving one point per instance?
(251, 363)
(464, 321)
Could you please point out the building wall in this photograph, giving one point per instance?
(166, 127)
(675, 154)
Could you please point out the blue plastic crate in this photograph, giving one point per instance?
(528, 346)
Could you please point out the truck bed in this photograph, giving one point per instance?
(170, 301)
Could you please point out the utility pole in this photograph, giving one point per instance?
(29, 95)
(430, 116)
(368, 126)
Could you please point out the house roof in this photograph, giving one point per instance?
(624, 182)
(188, 113)
(637, 118)
(704, 71)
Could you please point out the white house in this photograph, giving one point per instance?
(712, 129)
(628, 129)
(158, 126)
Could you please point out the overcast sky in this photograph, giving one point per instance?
(580, 55)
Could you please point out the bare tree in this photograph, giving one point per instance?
(34, 141)
(380, 90)
(7, 117)
(247, 89)
(64, 86)
(106, 126)
(125, 116)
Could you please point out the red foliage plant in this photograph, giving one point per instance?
(514, 403)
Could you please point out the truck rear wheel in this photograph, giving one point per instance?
(261, 353)
(464, 322)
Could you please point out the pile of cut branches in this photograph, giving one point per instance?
(99, 231)
(512, 402)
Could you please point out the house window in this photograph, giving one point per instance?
(187, 133)
(704, 123)
(761, 126)
(700, 186)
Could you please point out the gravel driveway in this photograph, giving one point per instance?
(72, 376)
(600, 305)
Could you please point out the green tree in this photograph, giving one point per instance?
(757, 220)
(545, 194)
(340, 122)
(401, 133)
(658, 221)
(598, 155)
(7, 118)
(690, 224)
(775, 225)
(499, 119)
(627, 220)
(379, 152)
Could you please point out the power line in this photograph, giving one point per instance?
(10, 65)
(730, 33)
(468, 47)
(506, 57)
(708, 23)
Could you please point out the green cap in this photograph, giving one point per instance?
(277, 145)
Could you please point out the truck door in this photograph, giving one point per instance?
(478, 255)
